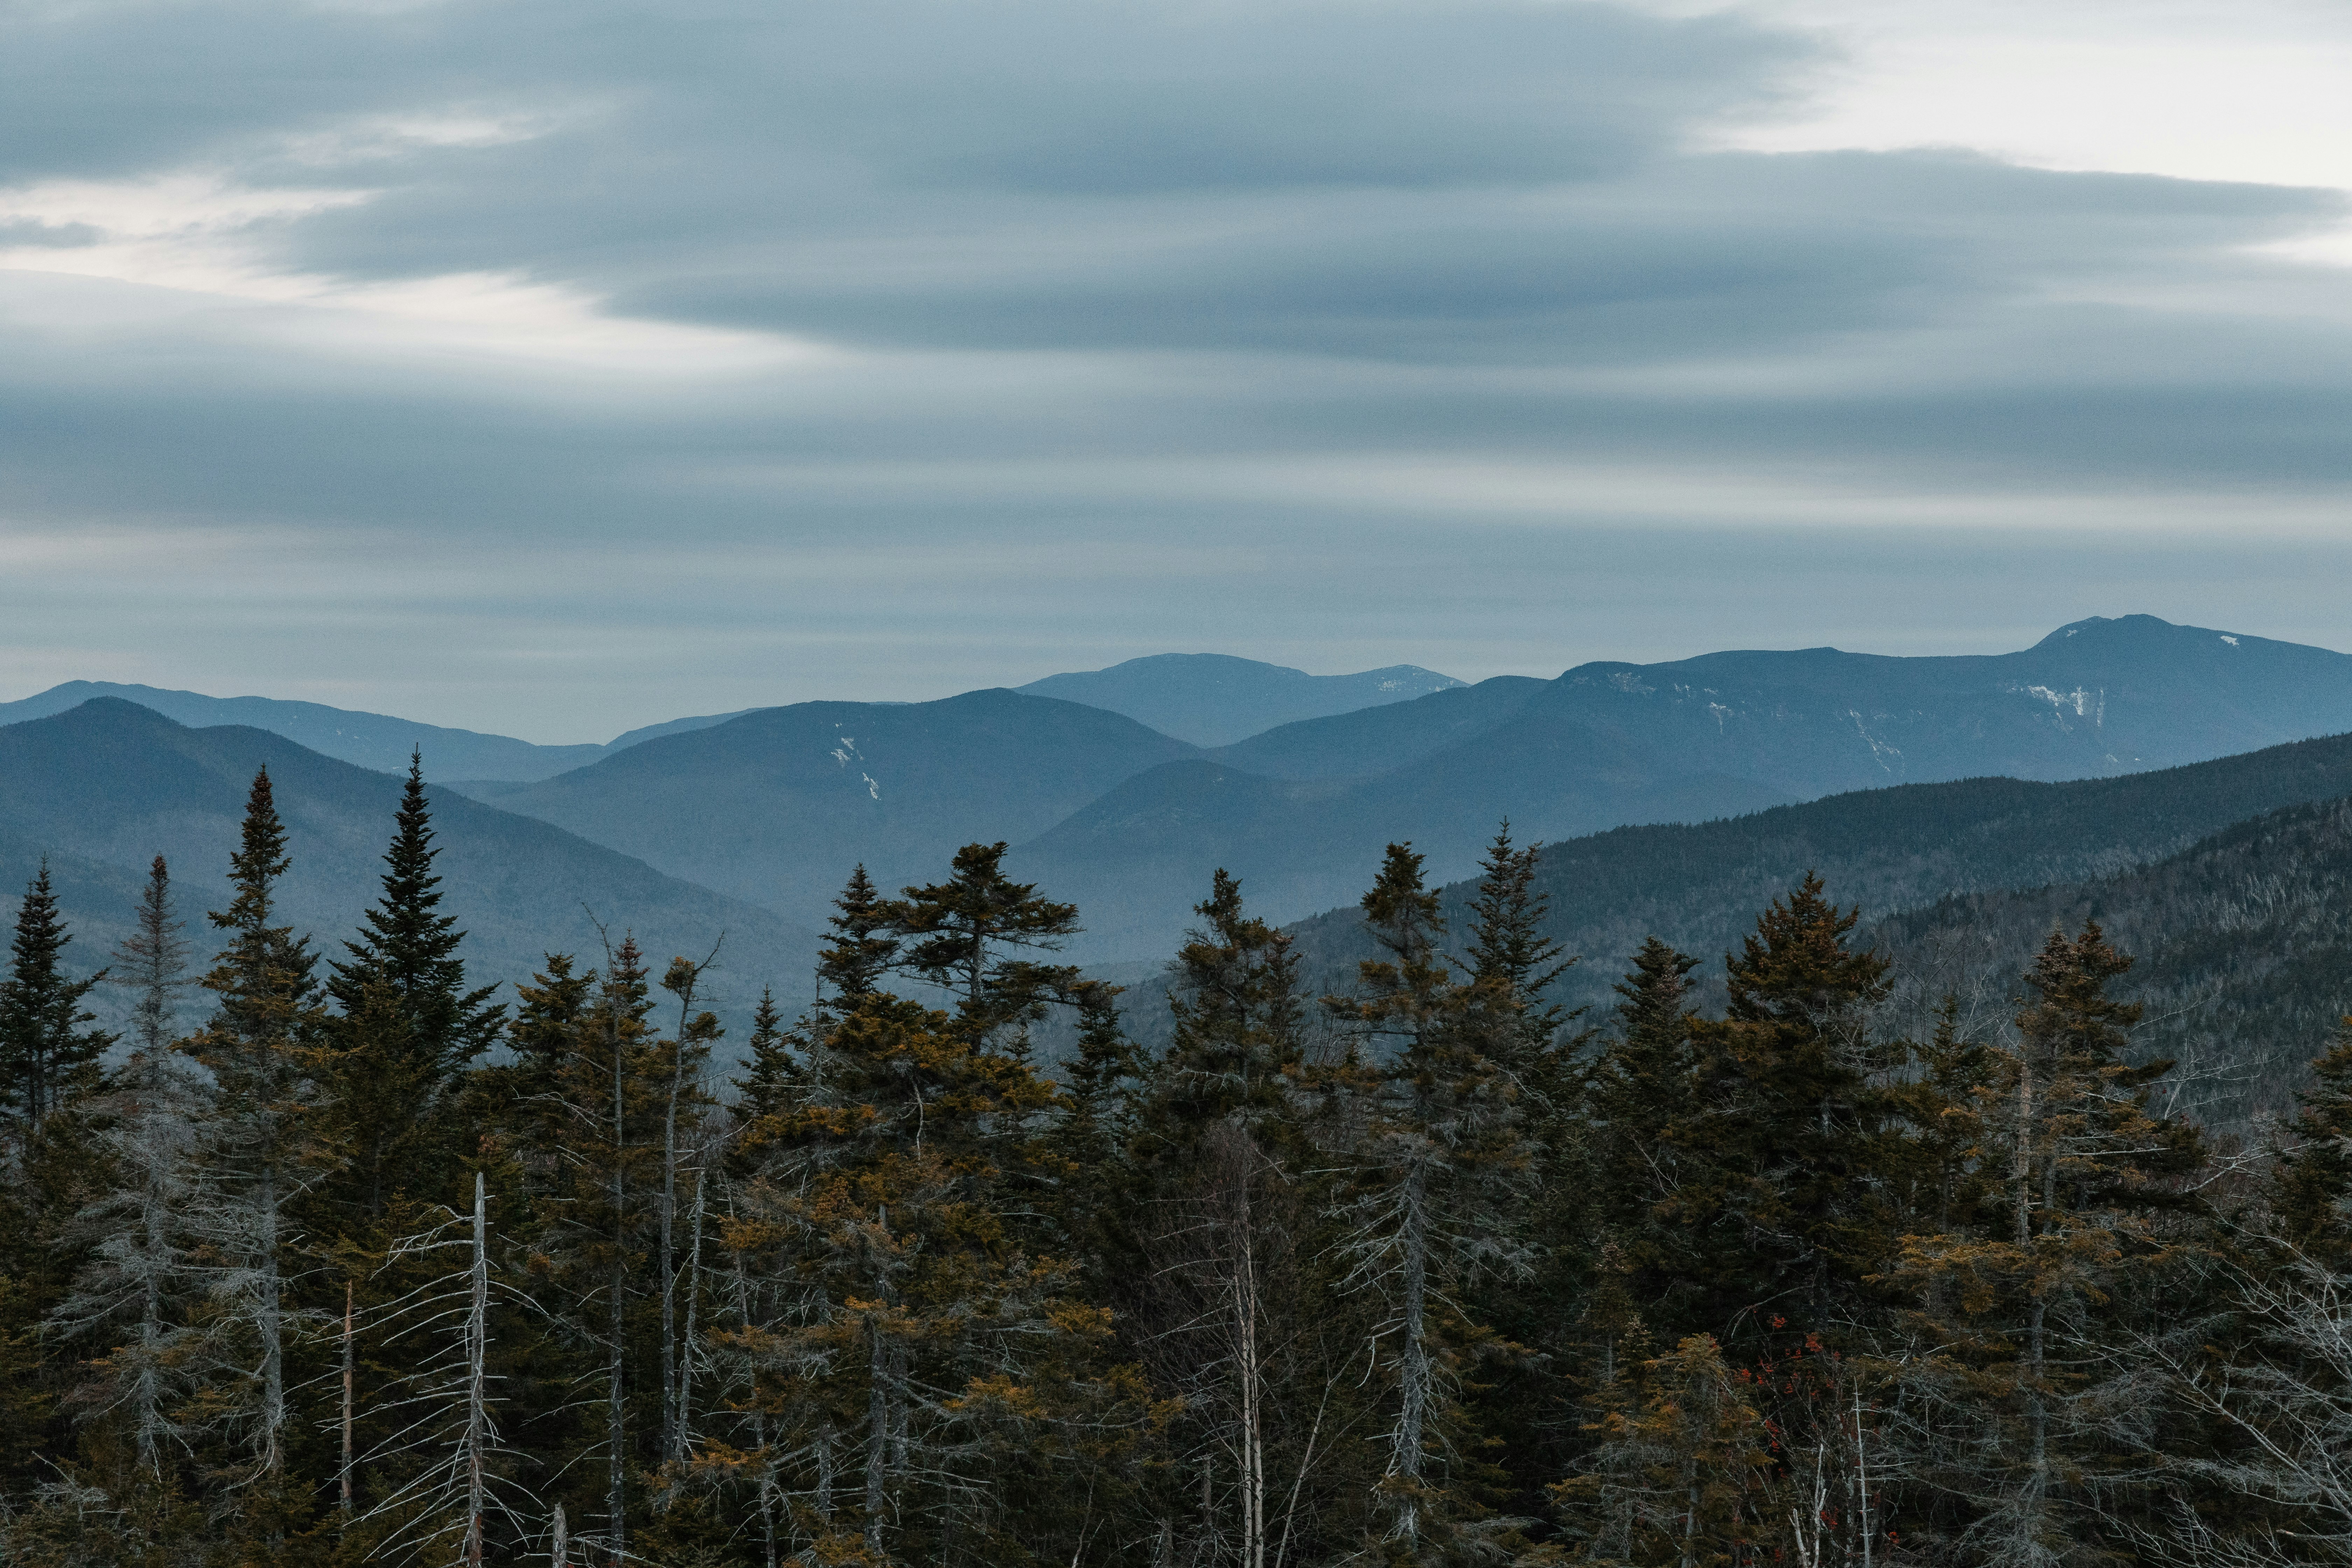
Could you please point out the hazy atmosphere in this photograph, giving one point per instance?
(553, 369)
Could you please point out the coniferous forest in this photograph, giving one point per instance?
(322, 1256)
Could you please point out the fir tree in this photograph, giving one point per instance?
(48, 1053)
(964, 935)
(133, 1295)
(260, 1142)
(1441, 1170)
(410, 949)
(1779, 1137)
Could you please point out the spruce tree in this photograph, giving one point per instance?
(2038, 1412)
(881, 1221)
(1781, 1139)
(770, 1077)
(48, 1055)
(261, 1144)
(134, 1297)
(1639, 1087)
(408, 947)
(862, 949)
(1440, 1169)
(967, 934)
(1515, 966)
(1219, 1212)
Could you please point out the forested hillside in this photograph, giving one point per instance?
(331, 1259)
(2245, 945)
(1891, 850)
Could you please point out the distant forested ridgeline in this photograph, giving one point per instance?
(330, 1255)
(1893, 852)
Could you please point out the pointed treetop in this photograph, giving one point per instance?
(47, 1055)
(862, 951)
(260, 859)
(1796, 967)
(153, 962)
(410, 949)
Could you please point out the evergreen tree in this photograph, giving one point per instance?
(1639, 1087)
(966, 935)
(260, 1145)
(909, 1318)
(2035, 1415)
(2313, 1177)
(1781, 1139)
(770, 1077)
(410, 949)
(1684, 1473)
(134, 1296)
(1217, 1218)
(48, 1053)
(596, 1220)
(1441, 1170)
(1514, 964)
(862, 949)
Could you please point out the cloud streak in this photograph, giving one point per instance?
(658, 360)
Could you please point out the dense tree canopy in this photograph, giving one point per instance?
(947, 1269)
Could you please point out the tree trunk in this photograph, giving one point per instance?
(616, 1475)
(1245, 1359)
(877, 1431)
(478, 1340)
(1414, 1375)
(351, 1385)
(267, 1323)
(669, 1415)
(685, 1433)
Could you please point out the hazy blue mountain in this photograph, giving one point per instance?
(778, 805)
(1377, 740)
(1608, 744)
(376, 741)
(628, 738)
(104, 787)
(1214, 698)
(2097, 697)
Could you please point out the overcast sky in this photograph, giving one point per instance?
(555, 366)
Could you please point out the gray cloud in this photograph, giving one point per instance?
(1152, 324)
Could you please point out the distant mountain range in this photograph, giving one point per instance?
(376, 741)
(1183, 695)
(778, 805)
(1700, 886)
(102, 789)
(771, 807)
(1215, 699)
(1301, 813)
